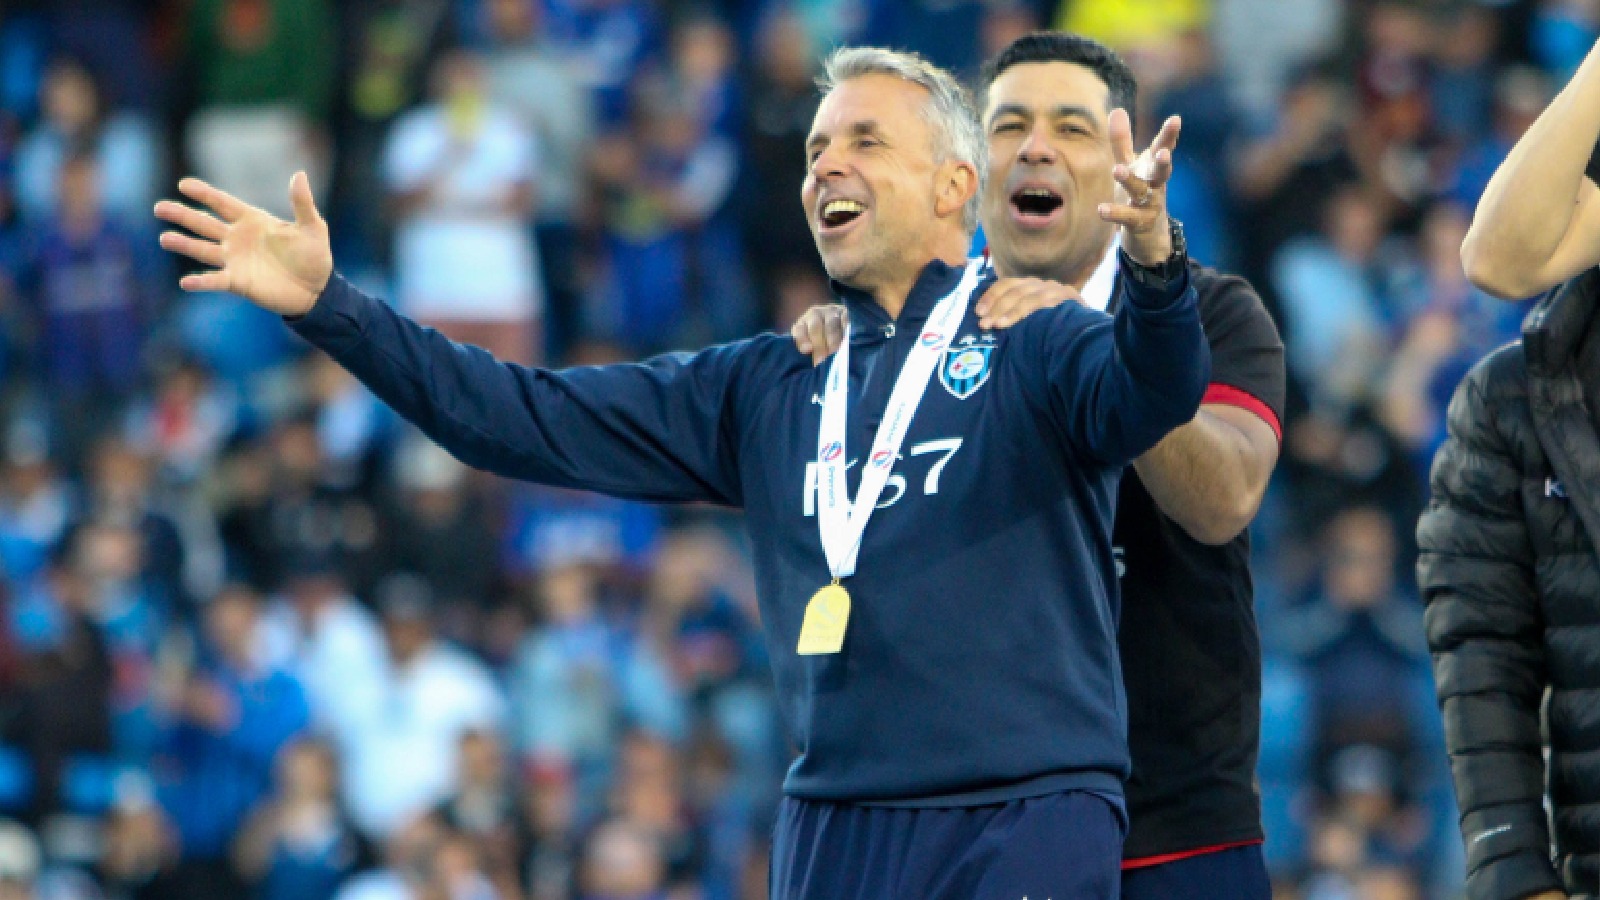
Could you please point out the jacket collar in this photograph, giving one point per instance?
(1551, 335)
(868, 319)
(1555, 327)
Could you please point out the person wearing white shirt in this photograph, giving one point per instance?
(461, 173)
(400, 754)
(330, 642)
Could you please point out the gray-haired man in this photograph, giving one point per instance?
(934, 563)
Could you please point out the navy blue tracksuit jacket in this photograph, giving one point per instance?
(980, 663)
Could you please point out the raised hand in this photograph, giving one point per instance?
(1141, 207)
(279, 266)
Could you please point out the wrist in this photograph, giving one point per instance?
(1150, 249)
(1153, 268)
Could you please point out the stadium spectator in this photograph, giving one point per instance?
(407, 869)
(388, 47)
(299, 844)
(1451, 325)
(329, 642)
(62, 706)
(623, 861)
(401, 750)
(1333, 307)
(121, 490)
(76, 121)
(1360, 639)
(528, 73)
(228, 720)
(487, 809)
(261, 72)
(1286, 169)
(140, 855)
(37, 501)
(461, 172)
(118, 41)
(90, 290)
(674, 273)
(185, 422)
(580, 679)
(437, 526)
(779, 105)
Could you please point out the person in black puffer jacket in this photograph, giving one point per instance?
(1510, 570)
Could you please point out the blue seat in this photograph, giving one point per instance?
(88, 784)
(16, 779)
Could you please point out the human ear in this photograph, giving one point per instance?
(957, 182)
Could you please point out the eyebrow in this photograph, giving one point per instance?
(1060, 111)
(866, 126)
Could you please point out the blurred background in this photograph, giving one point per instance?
(258, 639)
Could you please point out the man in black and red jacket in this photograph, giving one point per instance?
(1190, 653)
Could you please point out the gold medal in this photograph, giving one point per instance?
(822, 631)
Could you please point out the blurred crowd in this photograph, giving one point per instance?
(259, 639)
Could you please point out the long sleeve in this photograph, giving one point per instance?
(1485, 630)
(658, 430)
(1116, 385)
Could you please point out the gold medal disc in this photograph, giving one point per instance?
(827, 614)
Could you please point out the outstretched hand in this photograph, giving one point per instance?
(1141, 207)
(280, 266)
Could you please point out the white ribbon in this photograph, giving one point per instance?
(840, 522)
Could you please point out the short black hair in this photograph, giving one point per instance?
(1059, 46)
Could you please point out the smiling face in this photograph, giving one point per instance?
(878, 204)
(1050, 164)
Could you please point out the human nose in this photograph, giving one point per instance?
(827, 164)
(1036, 149)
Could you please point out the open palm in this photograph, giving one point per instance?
(280, 266)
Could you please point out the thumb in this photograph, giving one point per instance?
(305, 208)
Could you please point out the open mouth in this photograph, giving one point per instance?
(837, 214)
(1036, 205)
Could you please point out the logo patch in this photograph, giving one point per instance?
(966, 367)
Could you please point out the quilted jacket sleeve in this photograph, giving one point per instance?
(1485, 630)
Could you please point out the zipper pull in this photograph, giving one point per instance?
(888, 330)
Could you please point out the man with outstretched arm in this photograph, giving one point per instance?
(1190, 652)
(961, 736)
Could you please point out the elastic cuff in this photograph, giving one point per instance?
(1147, 299)
(1515, 877)
(335, 317)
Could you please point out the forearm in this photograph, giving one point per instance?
(1156, 374)
(650, 431)
(1486, 631)
(1528, 208)
(1204, 476)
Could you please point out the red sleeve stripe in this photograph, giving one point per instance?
(1228, 395)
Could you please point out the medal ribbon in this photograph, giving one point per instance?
(841, 522)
